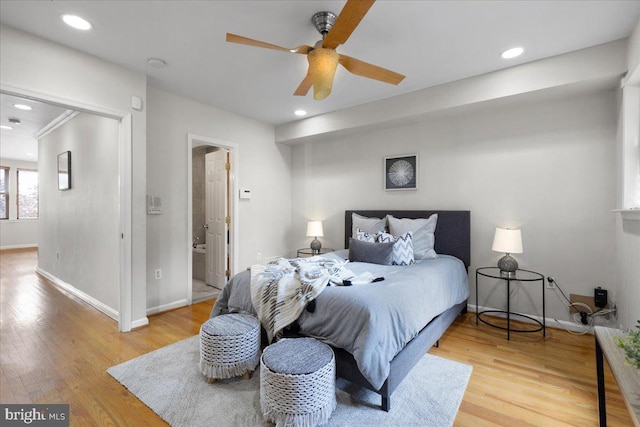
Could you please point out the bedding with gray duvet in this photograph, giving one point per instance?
(372, 321)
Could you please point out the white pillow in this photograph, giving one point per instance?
(423, 234)
(369, 225)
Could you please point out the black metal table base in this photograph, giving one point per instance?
(509, 328)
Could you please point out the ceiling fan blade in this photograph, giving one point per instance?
(233, 38)
(371, 71)
(304, 87)
(349, 18)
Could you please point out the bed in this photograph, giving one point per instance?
(351, 319)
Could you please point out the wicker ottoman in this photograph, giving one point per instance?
(297, 382)
(229, 346)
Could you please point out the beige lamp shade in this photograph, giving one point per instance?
(314, 229)
(322, 67)
(507, 241)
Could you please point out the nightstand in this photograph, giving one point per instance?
(307, 252)
(519, 276)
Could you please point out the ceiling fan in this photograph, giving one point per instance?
(323, 58)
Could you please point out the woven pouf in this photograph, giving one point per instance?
(298, 382)
(229, 346)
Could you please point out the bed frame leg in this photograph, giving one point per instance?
(386, 403)
(437, 345)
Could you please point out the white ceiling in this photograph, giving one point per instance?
(431, 42)
(20, 143)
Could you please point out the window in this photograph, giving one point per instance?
(27, 194)
(4, 192)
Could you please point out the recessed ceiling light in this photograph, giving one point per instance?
(30, 154)
(5, 127)
(23, 107)
(76, 22)
(156, 62)
(512, 53)
(300, 113)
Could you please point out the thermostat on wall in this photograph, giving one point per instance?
(154, 205)
(245, 194)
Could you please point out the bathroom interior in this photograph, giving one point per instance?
(201, 290)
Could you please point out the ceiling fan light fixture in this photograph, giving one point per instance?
(322, 67)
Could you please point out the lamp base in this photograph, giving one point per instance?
(316, 245)
(508, 264)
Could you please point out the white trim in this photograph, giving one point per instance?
(79, 294)
(140, 322)
(166, 307)
(22, 246)
(235, 226)
(55, 123)
(125, 186)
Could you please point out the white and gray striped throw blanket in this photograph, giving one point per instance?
(282, 289)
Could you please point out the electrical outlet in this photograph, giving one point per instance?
(57, 256)
(259, 256)
(158, 274)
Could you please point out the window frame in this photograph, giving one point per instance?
(5, 194)
(18, 170)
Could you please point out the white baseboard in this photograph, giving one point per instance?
(550, 323)
(140, 322)
(166, 307)
(78, 293)
(22, 246)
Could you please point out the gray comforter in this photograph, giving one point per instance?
(375, 321)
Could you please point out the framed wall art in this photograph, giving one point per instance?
(64, 170)
(401, 172)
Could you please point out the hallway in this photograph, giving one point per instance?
(55, 348)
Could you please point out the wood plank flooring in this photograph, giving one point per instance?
(55, 348)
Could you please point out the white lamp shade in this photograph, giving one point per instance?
(507, 241)
(314, 229)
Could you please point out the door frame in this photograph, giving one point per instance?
(125, 294)
(234, 150)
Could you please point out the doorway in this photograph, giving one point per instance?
(119, 306)
(211, 216)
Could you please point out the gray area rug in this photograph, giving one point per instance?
(168, 381)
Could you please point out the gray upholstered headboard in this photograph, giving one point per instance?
(453, 231)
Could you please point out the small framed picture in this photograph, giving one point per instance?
(64, 170)
(401, 172)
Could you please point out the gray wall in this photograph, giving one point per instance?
(265, 167)
(82, 224)
(545, 165)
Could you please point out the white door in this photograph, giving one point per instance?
(216, 213)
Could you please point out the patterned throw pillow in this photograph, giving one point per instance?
(366, 236)
(402, 249)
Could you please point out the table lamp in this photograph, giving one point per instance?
(314, 229)
(508, 242)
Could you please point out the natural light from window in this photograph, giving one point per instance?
(27, 194)
(4, 193)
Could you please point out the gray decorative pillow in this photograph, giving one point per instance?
(402, 248)
(423, 234)
(370, 225)
(374, 253)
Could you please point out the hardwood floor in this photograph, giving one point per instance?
(55, 348)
